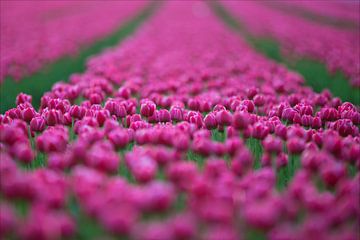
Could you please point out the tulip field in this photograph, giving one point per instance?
(180, 120)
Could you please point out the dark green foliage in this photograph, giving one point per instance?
(255, 147)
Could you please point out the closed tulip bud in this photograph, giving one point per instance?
(53, 117)
(242, 162)
(67, 119)
(124, 93)
(37, 124)
(329, 114)
(281, 160)
(218, 149)
(86, 104)
(271, 125)
(23, 152)
(288, 114)
(77, 112)
(259, 100)
(332, 144)
(154, 118)
(240, 120)
(95, 98)
(160, 196)
(202, 134)
(202, 146)
(103, 159)
(58, 161)
(306, 120)
(119, 138)
(101, 116)
(194, 104)
(345, 127)
(316, 123)
(251, 92)
(294, 99)
(120, 111)
(312, 159)
(205, 106)
(260, 131)
(14, 113)
(110, 106)
(218, 107)
(176, 114)
(249, 105)
(210, 121)
(272, 144)
(233, 145)
(182, 174)
(235, 104)
(181, 142)
(355, 118)
(224, 118)
(246, 133)
(332, 173)
(295, 145)
(23, 98)
(110, 124)
(164, 115)
(346, 106)
(27, 114)
(62, 105)
(231, 132)
(297, 118)
(144, 169)
(133, 118)
(196, 119)
(336, 102)
(115, 108)
(147, 108)
(165, 102)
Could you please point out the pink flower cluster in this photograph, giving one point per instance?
(151, 143)
(38, 32)
(339, 49)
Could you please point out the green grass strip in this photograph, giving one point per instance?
(124, 171)
(285, 174)
(197, 158)
(87, 228)
(60, 70)
(219, 136)
(256, 148)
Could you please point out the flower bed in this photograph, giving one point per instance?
(35, 33)
(339, 49)
(181, 132)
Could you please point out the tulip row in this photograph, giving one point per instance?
(339, 11)
(35, 33)
(337, 48)
(155, 141)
